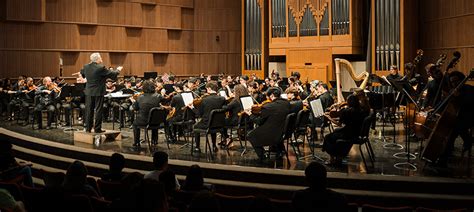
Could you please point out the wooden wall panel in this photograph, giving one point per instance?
(447, 27)
(26, 10)
(177, 36)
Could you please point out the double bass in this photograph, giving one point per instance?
(444, 125)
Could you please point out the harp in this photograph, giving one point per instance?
(345, 70)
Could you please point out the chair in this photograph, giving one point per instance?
(99, 204)
(156, 119)
(52, 179)
(93, 183)
(186, 125)
(32, 197)
(216, 124)
(77, 203)
(234, 203)
(281, 205)
(363, 139)
(423, 209)
(288, 128)
(110, 190)
(301, 124)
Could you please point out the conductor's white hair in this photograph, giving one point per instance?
(95, 57)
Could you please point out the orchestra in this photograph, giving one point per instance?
(273, 98)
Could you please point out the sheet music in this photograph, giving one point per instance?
(284, 96)
(222, 93)
(247, 102)
(317, 108)
(187, 98)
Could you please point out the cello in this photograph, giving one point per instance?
(444, 125)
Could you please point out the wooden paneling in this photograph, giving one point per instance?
(177, 36)
(313, 64)
(26, 10)
(447, 27)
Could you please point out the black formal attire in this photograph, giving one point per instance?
(311, 199)
(233, 109)
(271, 123)
(432, 90)
(20, 100)
(177, 103)
(45, 101)
(209, 103)
(392, 77)
(352, 119)
(96, 75)
(143, 105)
(326, 102)
(464, 121)
(296, 106)
(259, 97)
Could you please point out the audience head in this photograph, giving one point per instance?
(160, 160)
(76, 175)
(148, 86)
(96, 58)
(117, 162)
(168, 178)
(316, 175)
(194, 179)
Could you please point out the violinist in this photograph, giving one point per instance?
(46, 95)
(351, 119)
(234, 107)
(18, 93)
(318, 90)
(243, 80)
(225, 87)
(143, 105)
(177, 103)
(125, 108)
(270, 124)
(464, 100)
(208, 103)
(255, 92)
(296, 104)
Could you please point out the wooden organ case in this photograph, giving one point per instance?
(307, 32)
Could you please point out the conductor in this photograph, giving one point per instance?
(96, 75)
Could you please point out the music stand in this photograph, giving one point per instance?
(67, 92)
(407, 165)
(150, 75)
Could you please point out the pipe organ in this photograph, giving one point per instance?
(306, 32)
(387, 34)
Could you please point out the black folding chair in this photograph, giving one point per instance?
(215, 125)
(156, 120)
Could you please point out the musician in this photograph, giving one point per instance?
(351, 118)
(318, 90)
(243, 80)
(17, 92)
(169, 85)
(234, 108)
(225, 87)
(363, 99)
(109, 103)
(271, 122)
(433, 97)
(464, 100)
(178, 104)
(96, 74)
(46, 95)
(143, 105)
(209, 103)
(394, 75)
(125, 106)
(256, 93)
(296, 104)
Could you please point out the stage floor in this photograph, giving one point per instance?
(352, 166)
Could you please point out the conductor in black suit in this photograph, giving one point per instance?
(96, 75)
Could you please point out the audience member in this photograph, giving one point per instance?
(160, 161)
(10, 168)
(75, 181)
(317, 197)
(168, 179)
(116, 165)
(7, 202)
(194, 179)
(148, 195)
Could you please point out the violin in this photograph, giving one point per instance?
(257, 108)
(198, 101)
(335, 109)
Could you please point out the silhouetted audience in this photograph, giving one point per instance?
(116, 165)
(204, 201)
(260, 203)
(160, 162)
(194, 180)
(317, 197)
(10, 168)
(148, 195)
(75, 182)
(168, 179)
(7, 202)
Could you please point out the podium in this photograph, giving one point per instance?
(97, 138)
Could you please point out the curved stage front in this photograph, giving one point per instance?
(278, 183)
